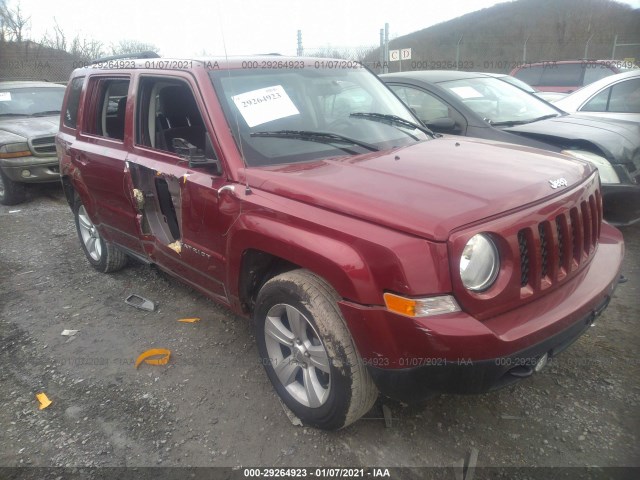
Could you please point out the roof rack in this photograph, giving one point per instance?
(147, 54)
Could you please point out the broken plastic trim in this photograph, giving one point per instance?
(140, 302)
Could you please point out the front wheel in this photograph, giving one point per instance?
(102, 256)
(11, 193)
(308, 352)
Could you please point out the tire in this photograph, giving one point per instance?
(11, 193)
(308, 352)
(102, 256)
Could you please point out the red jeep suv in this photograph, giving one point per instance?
(373, 255)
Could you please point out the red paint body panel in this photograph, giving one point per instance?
(394, 220)
(387, 340)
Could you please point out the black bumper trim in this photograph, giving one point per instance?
(467, 376)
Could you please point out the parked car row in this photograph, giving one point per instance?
(568, 75)
(373, 254)
(29, 118)
(482, 105)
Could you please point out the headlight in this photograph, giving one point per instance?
(15, 150)
(479, 263)
(606, 171)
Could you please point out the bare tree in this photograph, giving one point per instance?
(13, 22)
(132, 46)
(58, 40)
(86, 49)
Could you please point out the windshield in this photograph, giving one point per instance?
(294, 115)
(518, 83)
(31, 101)
(499, 102)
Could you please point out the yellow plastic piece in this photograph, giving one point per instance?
(44, 400)
(144, 357)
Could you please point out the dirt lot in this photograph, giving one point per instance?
(212, 404)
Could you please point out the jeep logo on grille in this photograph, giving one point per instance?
(560, 182)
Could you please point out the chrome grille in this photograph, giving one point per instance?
(553, 248)
(43, 146)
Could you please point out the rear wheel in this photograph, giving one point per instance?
(308, 352)
(11, 193)
(103, 256)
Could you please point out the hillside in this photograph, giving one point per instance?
(493, 39)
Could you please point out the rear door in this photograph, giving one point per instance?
(100, 154)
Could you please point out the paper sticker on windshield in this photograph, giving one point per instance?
(265, 105)
(5, 96)
(466, 92)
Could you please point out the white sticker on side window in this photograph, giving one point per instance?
(466, 92)
(5, 96)
(264, 105)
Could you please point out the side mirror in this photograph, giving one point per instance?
(195, 156)
(183, 148)
(441, 124)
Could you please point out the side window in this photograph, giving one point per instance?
(625, 97)
(598, 103)
(562, 75)
(168, 116)
(530, 75)
(71, 114)
(596, 71)
(108, 106)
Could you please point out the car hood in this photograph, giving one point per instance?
(427, 189)
(618, 140)
(29, 127)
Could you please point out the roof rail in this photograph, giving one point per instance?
(147, 54)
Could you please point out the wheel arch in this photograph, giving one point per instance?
(275, 247)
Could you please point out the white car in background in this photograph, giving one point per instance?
(616, 96)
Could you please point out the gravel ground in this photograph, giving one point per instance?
(212, 404)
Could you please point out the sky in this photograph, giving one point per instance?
(228, 27)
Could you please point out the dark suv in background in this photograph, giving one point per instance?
(29, 118)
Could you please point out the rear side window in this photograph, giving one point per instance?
(71, 114)
(623, 97)
(596, 71)
(562, 75)
(530, 75)
(108, 106)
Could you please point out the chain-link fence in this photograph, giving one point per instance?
(486, 54)
(32, 61)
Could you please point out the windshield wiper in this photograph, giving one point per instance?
(522, 122)
(46, 113)
(320, 137)
(393, 120)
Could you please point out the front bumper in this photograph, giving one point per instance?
(410, 359)
(40, 169)
(464, 375)
(621, 203)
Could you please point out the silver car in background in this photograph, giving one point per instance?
(616, 96)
